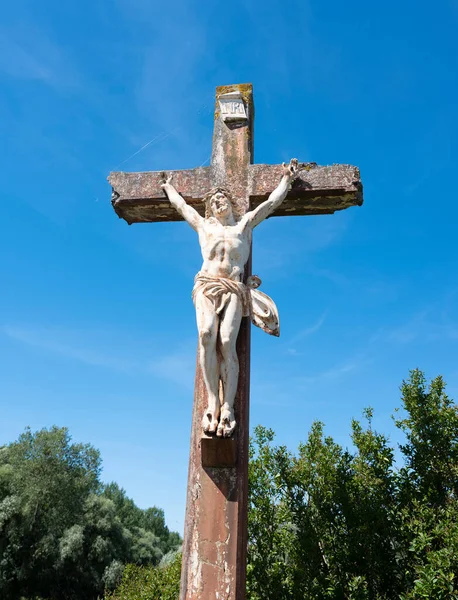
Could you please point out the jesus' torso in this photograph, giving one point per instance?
(225, 248)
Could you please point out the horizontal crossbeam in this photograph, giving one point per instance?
(139, 198)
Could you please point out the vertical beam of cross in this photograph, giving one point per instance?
(215, 539)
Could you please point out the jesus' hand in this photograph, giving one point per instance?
(291, 171)
(166, 180)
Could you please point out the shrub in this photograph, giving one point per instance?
(149, 583)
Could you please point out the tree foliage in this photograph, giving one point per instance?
(369, 523)
(150, 583)
(328, 522)
(63, 535)
(373, 522)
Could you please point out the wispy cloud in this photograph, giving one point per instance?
(292, 391)
(46, 341)
(333, 276)
(339, 370)
(27, 53)
(303, 333)
(428, 325)
(178, 367)
(171, 60)
(325, 233)
(304, 239)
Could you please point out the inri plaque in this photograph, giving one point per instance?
(233, 107)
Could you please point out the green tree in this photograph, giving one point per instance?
(149, 583)
(153, 539)
(61, 536)
(330, 523)
(45, 482)
(333, 523)
(428, 486)
(324, 523)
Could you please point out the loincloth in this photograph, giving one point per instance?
(255, 304)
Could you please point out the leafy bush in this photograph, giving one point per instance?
(327, 523)
(64, 535)
(149, 583)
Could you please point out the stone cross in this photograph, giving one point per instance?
(215, 537)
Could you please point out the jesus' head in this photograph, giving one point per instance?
(218, 204)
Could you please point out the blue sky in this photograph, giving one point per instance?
(97, 327)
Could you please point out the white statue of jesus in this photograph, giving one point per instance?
(220, 296)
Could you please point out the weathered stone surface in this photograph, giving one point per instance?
(317, 190)
(215, 538)
(139, 198)
(218, 452)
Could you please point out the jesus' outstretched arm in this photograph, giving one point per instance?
(265, 209)
(188, 213)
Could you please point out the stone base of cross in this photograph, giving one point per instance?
(215, 537)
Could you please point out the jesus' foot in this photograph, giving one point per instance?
(227, 423)
(210, 421)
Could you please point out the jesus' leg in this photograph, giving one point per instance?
(228, 331)
(207, 325)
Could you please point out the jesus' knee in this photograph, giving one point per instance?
(206, 337)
